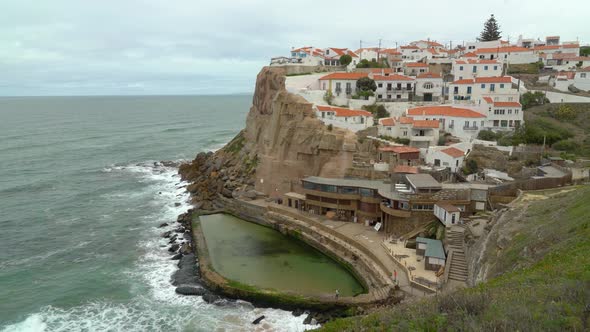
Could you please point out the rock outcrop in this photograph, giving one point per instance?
(283, 141)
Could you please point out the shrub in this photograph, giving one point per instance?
(487, 135)
(566, 145)
(330, 127)
(565, 113)
(328, 97)
(470, 167)
(345, 59)
(530, 99)
(378, 111)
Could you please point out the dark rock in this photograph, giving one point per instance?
(250, 194)
(174, 247)
(166, 234)
(258, 320)
(226, 192)
(179, 230)
(159, 193)
(210, 298)
(190, 290)
(198, 205)
(185, 248)
(177, 204)
(298, 312)
(163, 225)
(307, 319)
(173, 239)
(176, 257)
(187, 273)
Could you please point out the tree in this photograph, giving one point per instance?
(565, 113)
(345, 59)
(366, 84)
(491, 30)
(328, 97)
(529, 99)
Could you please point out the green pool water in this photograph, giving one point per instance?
(259, 256)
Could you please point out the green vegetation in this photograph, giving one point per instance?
(364, 63)
(470, 167)
(398, 140)
(487, 135)
(299, 74)
(345, 59)
(328, 97)
(378, 111)
(491, 30)
(236, 144)
(585, 51)
(530, 99)
(542, 283)
(366, 87)
(526, 68)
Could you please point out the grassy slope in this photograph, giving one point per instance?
(580, 127)
(547, 288)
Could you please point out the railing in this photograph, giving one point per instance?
(470, 128)
(395, 212)
(451, 126)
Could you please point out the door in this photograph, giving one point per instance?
(428, 97)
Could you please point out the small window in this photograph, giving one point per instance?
(485, 67)
(495, 67)
(460, 67)
(582, 75)
(502, 86)
(380, 85)
(483, 86)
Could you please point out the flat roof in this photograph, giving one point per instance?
(295, 195)
(361, 183)
(434, 248)
(447, 207)
(423, 181)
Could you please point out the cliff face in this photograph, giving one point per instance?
(283, 141)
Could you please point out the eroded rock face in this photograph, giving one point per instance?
(283, 141)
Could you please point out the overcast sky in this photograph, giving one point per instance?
(104, 47)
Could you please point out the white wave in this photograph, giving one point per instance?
(154, 305)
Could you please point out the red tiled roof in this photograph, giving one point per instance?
(391, 51)
(428, 75)
(382, 70)
(343, 112)
(399, 149)
(470, 55)
(393, 77)
(507, 104)
(410, 47)
(405, 169)
(488, 100)
(503, 49)
(546, 47)
(445, 111)
(406, 120)
(585, 69)
(476, 62)
(570, 46)
(344, 76)
(416, 64)
(453, 152)
(426, 123)
(387, 121)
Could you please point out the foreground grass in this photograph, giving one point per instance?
(549, 290)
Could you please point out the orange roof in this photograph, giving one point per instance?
(343, 112)
(498, 79)
(476, 62)
(416, 64)
(570, 45)
(405, 169)
(503, 49)
(428, 75)
(382, 70)
(547, 47)
(393, 77)
(344, 76)
(426, 123)
(470, 55)
(391, 51)
(387, 121)
(445, 111)
(399, 149)
(488, 100)
(406, 120)
(507, 104)
(410, 47)
(447, 207)
(453, 152)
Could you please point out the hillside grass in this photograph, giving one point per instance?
(546, 286)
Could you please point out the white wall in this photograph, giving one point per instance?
(465, 71)
(446, 217)
(582, 81)
(435, 153)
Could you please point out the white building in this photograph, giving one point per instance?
(503, 115)
(341, 84)
(448, 214)
(421, 133)
(473, 46)
(308, 55)
(565, 61)
(466, 69)
(472, 91)
(412, 53)
(508, 54)
(429, 86)
(553, 49)
(332, 57)
(428, 44)
(353, 120)
(415, 68)
(394, 87)
(369, 53)
(460, 122)
(449, 157)
(582, 79)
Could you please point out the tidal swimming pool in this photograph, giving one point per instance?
(262, 257)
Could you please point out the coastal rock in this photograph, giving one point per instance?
(177, 204)
(250, 194)
(166, 234)
(298, 312)
(174, 247)
(190, 290)
(258, 320)
(210, 298)
(176, 257)
(186, 248)
(187, 273)
(163, 225)
(226, 193)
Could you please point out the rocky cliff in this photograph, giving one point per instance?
(283, 141)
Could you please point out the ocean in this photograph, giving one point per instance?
(81, 195)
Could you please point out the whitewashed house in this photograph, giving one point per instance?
(458, 121)
(582, 79)
(472, 91)
(394, 87)
(447, 213)
(421, 133)
(469, 68)
(449, 157)
(508, 54)
(341, 84)
(332, 57)
(308, 55)
(429, 86)
(473, 46)
(415, 68)
(353, 120)
(428, 44)
(503, 115)
(412, 53)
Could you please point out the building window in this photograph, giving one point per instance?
(495, 67)
(456, 90)
(475, 69)
(405, 133)
(509, 111)
(504, 123)
(379, 96)
(380, 85)
(502, 86)
(496, 123)
(483, 86)
(460, 67)
(582, 75)
(485, 67)
(468, 90)
(492, 87)
(428, 85)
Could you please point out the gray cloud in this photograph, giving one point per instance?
(64, 47)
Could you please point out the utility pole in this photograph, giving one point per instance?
(361, 49)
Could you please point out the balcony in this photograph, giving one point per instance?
(348, 92)
(470, 127)
(394, 212)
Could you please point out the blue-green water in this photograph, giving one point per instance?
(80, 202)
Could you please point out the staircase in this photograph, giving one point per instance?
(458, 264)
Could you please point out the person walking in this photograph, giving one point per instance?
(337, 294)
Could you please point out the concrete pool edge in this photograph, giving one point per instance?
(376, 292)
